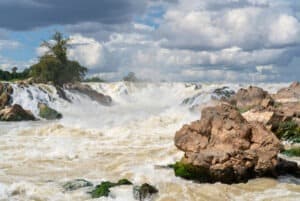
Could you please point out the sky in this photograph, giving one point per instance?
(178, 40)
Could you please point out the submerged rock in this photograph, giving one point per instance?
(224, 147)
(16, 113)
(145, 191)
(76, 184)
(48, 113)
(91, 93)
(103, 189)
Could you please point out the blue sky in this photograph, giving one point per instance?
(190, 40)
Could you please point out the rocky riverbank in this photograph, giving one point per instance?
(9, 111)
(241, 137)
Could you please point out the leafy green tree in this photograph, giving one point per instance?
(131, 77)
(55, 66)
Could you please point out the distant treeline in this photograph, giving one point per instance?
(9, 76)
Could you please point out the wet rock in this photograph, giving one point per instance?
(48, 113)
(246, 99)
(286, 167)
(103, 189)
(145, 191)
(222, 93)
(91, 93)
(6, 91)
(62, 94)
(224, 147)
(76, 184)
(290, 93)
(16, 113)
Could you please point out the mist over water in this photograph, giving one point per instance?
(130, 140)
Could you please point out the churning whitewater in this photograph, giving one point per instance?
(131, 139)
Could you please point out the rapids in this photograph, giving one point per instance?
(130, 139)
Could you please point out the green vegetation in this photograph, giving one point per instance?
(131, 77)
(103, 189)
(289, 131)
(55, 66)
(190, 172)
(292, 152)
(14, 75)
(94, 79)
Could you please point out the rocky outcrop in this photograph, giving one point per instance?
(288, 94)
(222, 93)
(144, 192)
(246, 99)
(48, 113)
(88, 91)
(224, 147)
(5, 95)
(16, 113)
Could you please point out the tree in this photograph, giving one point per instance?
(14, 70)
(130, 77)
(55, 66)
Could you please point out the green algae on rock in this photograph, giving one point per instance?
(48, 113)
(103, 189)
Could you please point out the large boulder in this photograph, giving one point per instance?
(288, 94)
(91, 93)
(245, 99)
(48, 113)
(224, 147)
(16, 113)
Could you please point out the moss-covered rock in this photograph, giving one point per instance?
(48, 113)
(292, 152)
(289, 131)
(76, 184)
(190, 172)
(144, 191)
(103, 189)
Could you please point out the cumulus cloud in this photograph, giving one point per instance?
(233, 40)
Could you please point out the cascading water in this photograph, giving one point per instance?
(129, 139)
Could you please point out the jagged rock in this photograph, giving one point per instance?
(222, 93)
(15, 113)
(91, 93)
(245, 99)
(291, 93)
(224, 147)
(145, 191)
(48, 113)
(269, 118)
(5, 95)
(62, 94)
(76, 184)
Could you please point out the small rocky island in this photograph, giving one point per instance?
(241, 137)
(15, 112)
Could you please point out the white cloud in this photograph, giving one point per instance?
(87, 51)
